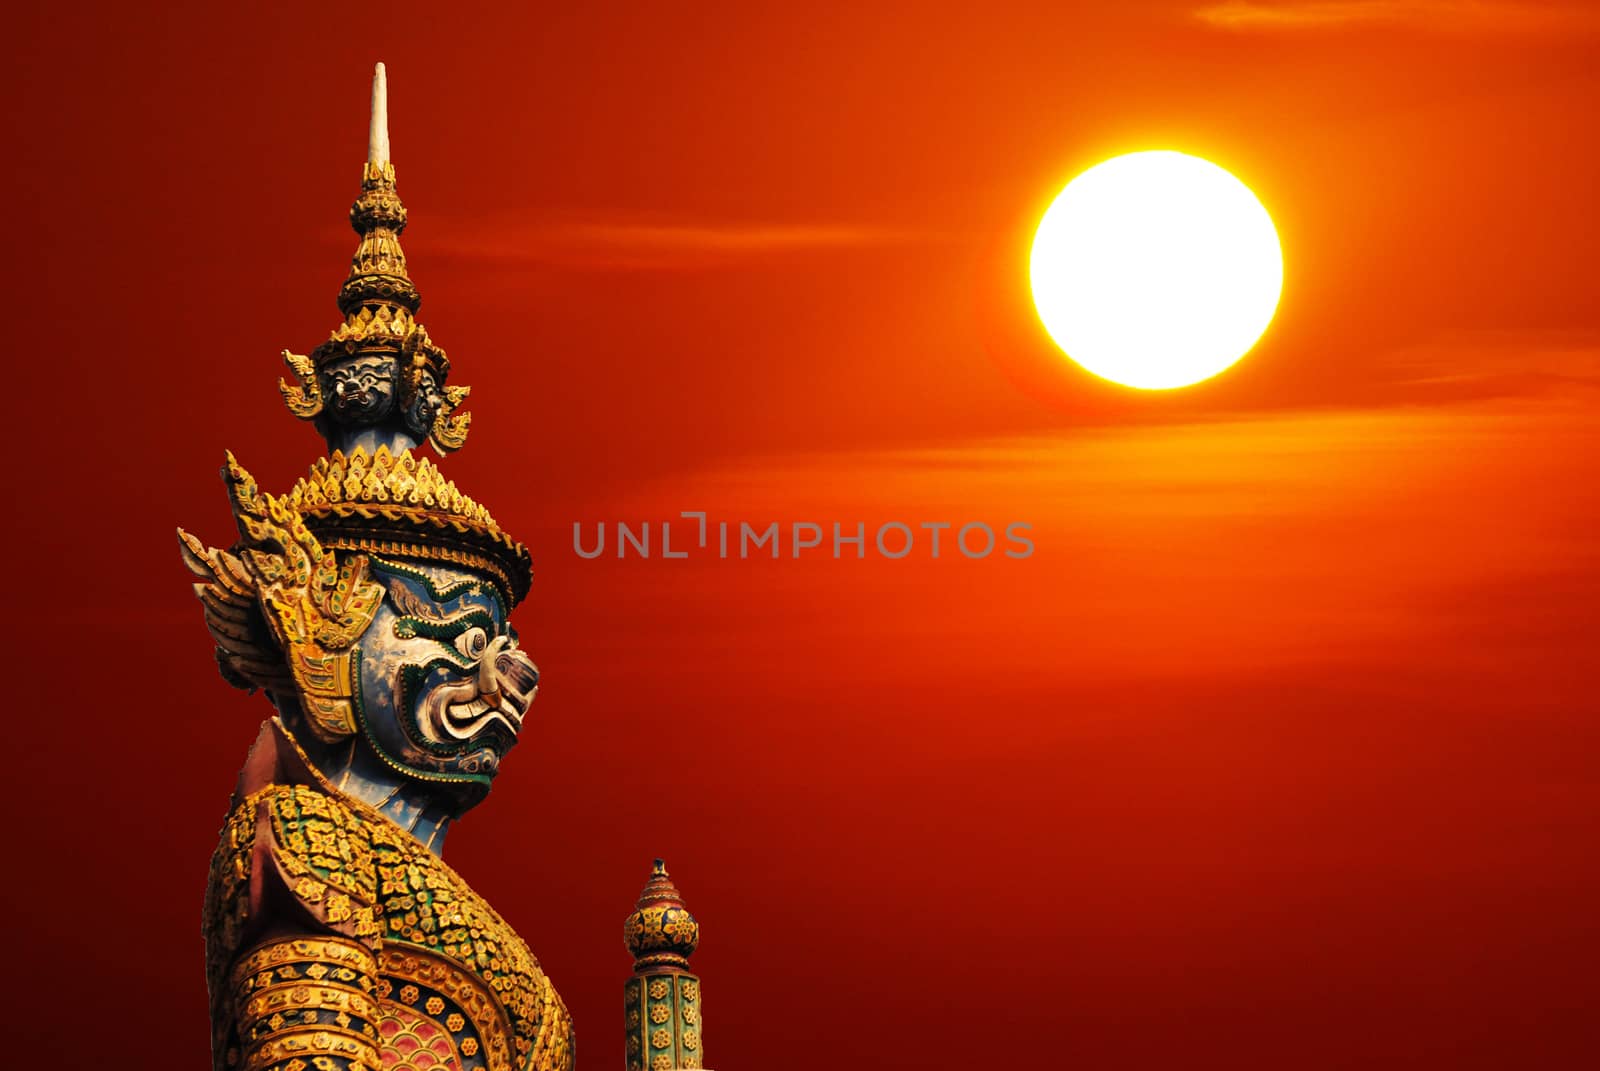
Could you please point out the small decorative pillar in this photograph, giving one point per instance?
(662, 999)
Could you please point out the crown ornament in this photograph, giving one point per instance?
(379, 378)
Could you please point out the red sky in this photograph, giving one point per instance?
(1280, 751)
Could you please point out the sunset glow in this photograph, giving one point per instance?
(1279, 750)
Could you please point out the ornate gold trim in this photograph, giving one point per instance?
(270, 955)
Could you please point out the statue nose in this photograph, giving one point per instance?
(504, 669)
(488, 675)
(517, 672)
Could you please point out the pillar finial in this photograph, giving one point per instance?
(664, 1026)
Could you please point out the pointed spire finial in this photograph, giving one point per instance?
(378, 132)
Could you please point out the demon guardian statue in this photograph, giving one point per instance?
(370, 604)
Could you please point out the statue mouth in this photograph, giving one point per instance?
(498, 695)
(455, 712)
(463, 721)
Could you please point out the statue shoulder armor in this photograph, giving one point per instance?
(323, 852)
(293, 858)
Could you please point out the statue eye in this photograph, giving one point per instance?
(473, 642)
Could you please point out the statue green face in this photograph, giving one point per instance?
(441, 686)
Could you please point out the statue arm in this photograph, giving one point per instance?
(291, 938)
(307, 1002)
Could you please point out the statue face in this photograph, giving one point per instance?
(360, 389)
(442, 687)
(425, 405)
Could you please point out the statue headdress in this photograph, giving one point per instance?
(379, 303)
(287, 603)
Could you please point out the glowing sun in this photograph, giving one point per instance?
(1156, 269)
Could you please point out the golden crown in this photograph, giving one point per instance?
(402, 505)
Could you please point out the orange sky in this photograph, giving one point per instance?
(1280, 750)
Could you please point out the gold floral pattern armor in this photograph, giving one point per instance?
(409, 967)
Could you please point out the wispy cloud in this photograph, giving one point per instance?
(1448, 16)
(1507, 364)
(735, 238)
(651, 245)
(1361, 537)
